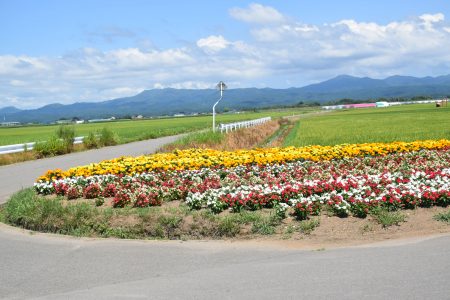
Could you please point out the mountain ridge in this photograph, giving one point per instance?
(169, 101)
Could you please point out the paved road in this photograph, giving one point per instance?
(22, 175)
(41, 266)
(46, 267)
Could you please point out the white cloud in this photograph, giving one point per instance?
(17, 83)
(191, 85)
(257, 13)
(428, 18)
(213, 43)
(280, 51)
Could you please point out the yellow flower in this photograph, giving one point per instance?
(199, 158)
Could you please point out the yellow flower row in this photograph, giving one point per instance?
(198, 158)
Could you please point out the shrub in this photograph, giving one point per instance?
(360, 209)
(92, 191)
(340, 207)
(280, 210)
(107, 137)
(121, 199)
(110, 190)
(303, 209)
(60, 188)
(91, 141)
(73, 193)
(54, 146)
(444, 198)
(391, 203)
(409, 201)
(67, 135)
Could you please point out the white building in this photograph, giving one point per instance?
(382, 104)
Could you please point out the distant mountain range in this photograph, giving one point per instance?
(159, 102)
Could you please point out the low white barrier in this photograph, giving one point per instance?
(243, 124)
(28, 146)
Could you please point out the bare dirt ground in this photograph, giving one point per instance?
(335, 232)
(332, 231)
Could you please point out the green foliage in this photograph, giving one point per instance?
(170, 223)
(203, 137)
(443, 217)
(266, 225)
(107, 137)
(29, 211)
(101, 138)
(60, 143)
(228, 227)
(308, 226)
(247, 217)
(67, 135)
(387, 218)
(397, 123)
(91, 141)
(360, 209)
(2, 214)
(99, 201)
(53, 146)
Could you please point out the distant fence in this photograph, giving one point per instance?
(29, 146)
(78, 140)
(243, 124)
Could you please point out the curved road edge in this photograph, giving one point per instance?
(37, 267)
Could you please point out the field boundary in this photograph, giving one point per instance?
(16, 148)
(242, 124)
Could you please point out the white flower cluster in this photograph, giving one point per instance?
(417, 184)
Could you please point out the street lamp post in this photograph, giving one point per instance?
(221, 86)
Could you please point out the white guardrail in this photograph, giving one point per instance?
(78, 140)
(29, 146)
(244, 124)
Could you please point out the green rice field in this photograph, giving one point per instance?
(133, 130)
(396, 123)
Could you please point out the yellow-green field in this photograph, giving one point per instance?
(396, 123)
(128, 131)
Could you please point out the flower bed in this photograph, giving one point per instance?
(194, 159)
(399, 176)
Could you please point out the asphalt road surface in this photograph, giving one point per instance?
(43, 266)
(22, 175)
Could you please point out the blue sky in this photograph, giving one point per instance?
(69, 51)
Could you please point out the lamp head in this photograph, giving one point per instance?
(221, 86)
